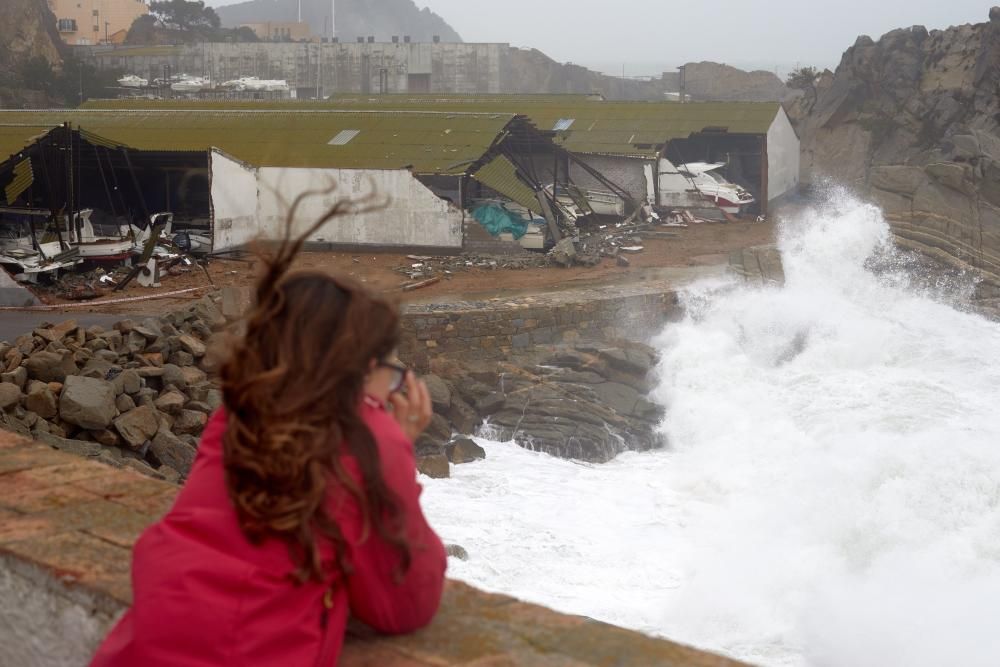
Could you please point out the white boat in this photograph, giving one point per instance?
(133, 81)
(697, 183)
(189, 84)
(29, 257)
(113, 240)
(255, 84)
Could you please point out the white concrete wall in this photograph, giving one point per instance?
(625, 172)
(782, 157)
(46, 624)
(413, 216)
(234, 202)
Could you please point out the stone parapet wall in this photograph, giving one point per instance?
(67, 526)
(491, 329)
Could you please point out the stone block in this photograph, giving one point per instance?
(87, 402)
(137, 426)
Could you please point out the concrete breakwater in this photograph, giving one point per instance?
(494, 328)
(67, 526)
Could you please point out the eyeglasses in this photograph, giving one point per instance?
(399, 375)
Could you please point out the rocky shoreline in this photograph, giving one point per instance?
(139, 394)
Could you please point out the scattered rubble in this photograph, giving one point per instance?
(137, 395)
(140, 394)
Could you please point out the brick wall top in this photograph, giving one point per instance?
(75, 521)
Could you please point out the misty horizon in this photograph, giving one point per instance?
(639, 34)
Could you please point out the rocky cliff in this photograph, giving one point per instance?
(355, 18)
(707, 81)
(912, 121)
(530, 71)
(28, 32)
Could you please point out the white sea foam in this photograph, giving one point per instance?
(831, 495)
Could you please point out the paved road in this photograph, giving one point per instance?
(14, 323)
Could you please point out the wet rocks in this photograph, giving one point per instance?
(434, 465)
(456, 551)
(582, 402)
(464, 450)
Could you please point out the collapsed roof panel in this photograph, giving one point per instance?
(635, 129)
(425, 142)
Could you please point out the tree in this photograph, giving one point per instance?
(185, 15)
(804, 78)
(143, 30)
(75, 82)
(244, 34)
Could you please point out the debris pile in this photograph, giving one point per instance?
(137, 395)
(607, 240)
(103, 281)
(423, 270)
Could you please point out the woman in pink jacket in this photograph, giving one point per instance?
(302, 507)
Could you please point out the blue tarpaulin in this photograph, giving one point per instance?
(497, 220)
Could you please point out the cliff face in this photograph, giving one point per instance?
(27, 32)
(912, 121)
(530, 71)
(716, 82)
(355, 18)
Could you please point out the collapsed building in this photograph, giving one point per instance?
(227, 177)
(667, 154)
(643, 146)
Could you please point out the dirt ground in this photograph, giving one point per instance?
(697, 245)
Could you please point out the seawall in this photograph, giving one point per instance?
(490, 329)
(67, 526)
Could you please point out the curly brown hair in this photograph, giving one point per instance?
(292, 386)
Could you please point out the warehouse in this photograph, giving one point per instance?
(231, 174)
(630, 151)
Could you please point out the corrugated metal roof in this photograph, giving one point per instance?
(24, 176)
(500, 174)
(14, 137)
(608, 128)
(427, 142)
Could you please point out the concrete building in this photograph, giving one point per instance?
(319, 69)
(83, 22)
(282, 31)
(231, 176)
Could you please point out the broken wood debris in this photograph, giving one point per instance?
(409, 287)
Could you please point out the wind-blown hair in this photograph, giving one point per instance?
(292, 387)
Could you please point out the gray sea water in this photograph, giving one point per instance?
(831, 493)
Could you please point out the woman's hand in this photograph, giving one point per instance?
(412, 411)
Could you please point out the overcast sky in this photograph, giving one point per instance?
(648, 36)
(740, 32)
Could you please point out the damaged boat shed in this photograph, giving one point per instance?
(667, 154)
(228, 176)
(642, 146)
